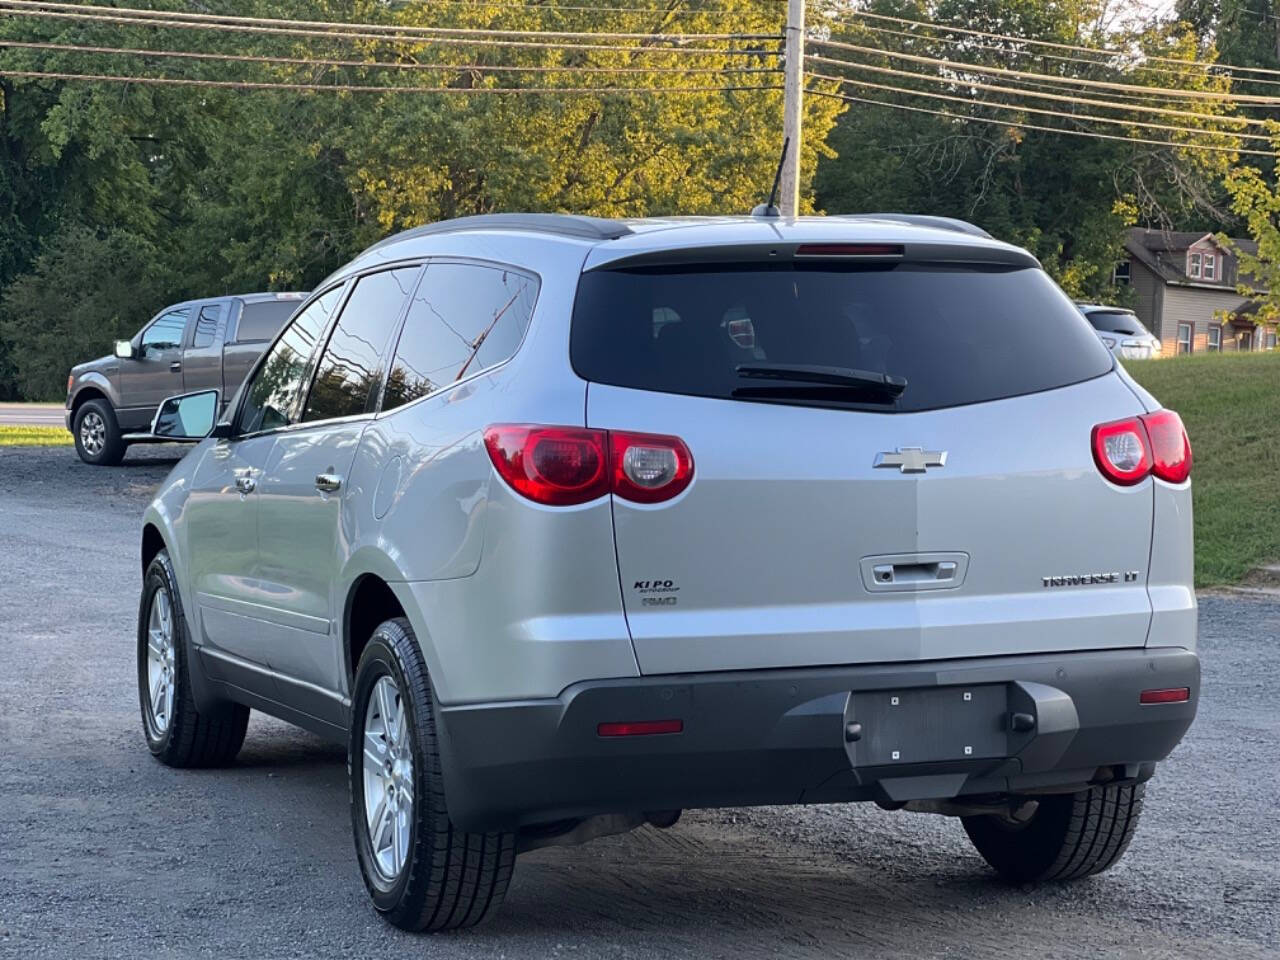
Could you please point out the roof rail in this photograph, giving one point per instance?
(560, 224)
(921, 220)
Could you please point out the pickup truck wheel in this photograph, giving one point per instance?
(1070, 836)
(177, 733)
(98, 438)
(422, 872)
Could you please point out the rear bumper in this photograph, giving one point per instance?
(779, 736)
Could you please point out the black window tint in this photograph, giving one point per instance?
(206, 326)
(262, 321)
(463, 318)
(348, 373)
(273, 394)
(1115, 321)
(957, 334)
(166, 332)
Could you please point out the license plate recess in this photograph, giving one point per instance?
(929, 725)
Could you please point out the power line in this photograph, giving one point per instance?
(1113, 56)
(929, 25)
(1046, 129)
(142, 16)
(1022, 108)
(365, 88)
(541, 8)
(1056, 97)
(387, 38)
(963, 67)
(373, 64)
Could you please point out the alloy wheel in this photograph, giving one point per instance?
(160, 661)
(93, 433)
(388, 778)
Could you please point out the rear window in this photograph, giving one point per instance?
(262, 321)
(1115, 321)
(957, 335)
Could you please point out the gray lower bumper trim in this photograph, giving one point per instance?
(780, 736)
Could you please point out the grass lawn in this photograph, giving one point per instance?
(1231, 406)
(34, 436)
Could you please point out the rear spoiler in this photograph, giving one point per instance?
(977, 254)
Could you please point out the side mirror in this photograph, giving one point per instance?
(190, 416)
(124, 349)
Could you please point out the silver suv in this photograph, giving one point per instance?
(563, 525)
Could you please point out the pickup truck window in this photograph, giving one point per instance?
(206, 325)
(351, 366)
(263, 320)
(166, 332)
(464, 317)
(272, 396)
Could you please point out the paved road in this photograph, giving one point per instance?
(104, 852)
(32, 414)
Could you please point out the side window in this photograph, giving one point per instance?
(464, 317)
(166, 332)
(206, 325)
(1184, 338)
(263, 320)
(351, 366)
(273, 394)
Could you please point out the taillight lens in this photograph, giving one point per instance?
(1154, 444)
(648, 468)
(557, 466)
(562, 466)
(1170, 446)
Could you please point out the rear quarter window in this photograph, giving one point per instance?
(958, 335)
(262, 321)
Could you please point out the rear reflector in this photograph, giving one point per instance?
(1168, 695)
(640, 728)
(849, 250)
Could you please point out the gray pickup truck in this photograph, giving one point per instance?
(197, 345)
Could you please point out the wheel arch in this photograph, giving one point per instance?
(376, 591)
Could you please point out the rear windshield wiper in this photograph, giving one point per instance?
(806, 373)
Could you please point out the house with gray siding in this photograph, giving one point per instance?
(1184, 284)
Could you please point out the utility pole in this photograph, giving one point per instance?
(793, 91)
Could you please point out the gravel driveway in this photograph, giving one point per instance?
(103, 852)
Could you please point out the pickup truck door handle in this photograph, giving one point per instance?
(328, 482)
(245, 482)
(176, 366)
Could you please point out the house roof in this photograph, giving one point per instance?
(1163, 251)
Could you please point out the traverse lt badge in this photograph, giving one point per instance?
(912, 459)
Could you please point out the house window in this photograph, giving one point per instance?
(1210, 266)
(1184, 338)
(1193, 266)
(1271, 340)
(1120, 275)
(1215, 337)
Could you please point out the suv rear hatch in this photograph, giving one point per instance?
(837, 522)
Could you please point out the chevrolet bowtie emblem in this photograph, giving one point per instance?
(912, 459)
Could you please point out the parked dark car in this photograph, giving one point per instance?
(196, 345)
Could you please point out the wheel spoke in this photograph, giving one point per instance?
(385, 709)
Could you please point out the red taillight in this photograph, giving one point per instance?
(557, 466)
(648, 468)
(1154, 444)
(1170, 447)
(640, 728)
(1169, 695)
(561, 466)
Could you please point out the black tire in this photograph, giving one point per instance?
(1070, 836)
(450, 878)
(98, 437)
(184, 737)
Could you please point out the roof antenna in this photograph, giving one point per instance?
(770, 209)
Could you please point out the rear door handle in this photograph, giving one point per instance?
(328, 482)
(245, 483)
(176, 366)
